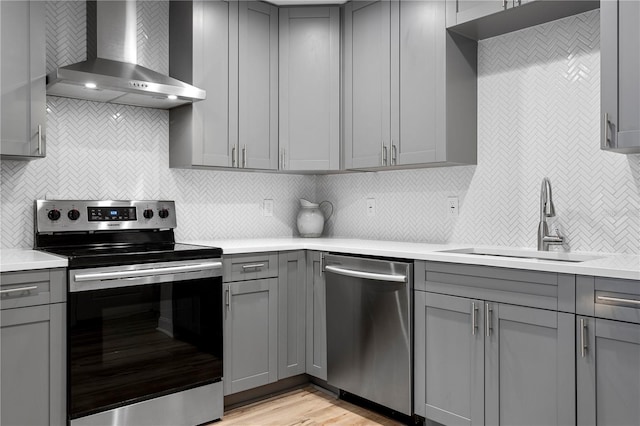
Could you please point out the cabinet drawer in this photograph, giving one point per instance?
(240, 267)
(536, 289)
(610, 298)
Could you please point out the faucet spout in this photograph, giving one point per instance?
(546, 210)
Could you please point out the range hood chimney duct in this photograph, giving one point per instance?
(110, 73)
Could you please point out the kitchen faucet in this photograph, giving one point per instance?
(546, 210)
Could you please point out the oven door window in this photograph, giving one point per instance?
(134, 343)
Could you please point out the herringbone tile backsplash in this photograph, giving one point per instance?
(538, 115)
(538, 103)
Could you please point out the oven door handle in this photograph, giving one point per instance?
(101, 276)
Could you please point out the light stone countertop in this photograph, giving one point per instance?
(606, 265)
(29, 260)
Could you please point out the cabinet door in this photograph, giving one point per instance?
(367, 90)
(468, 10)
(316, 317)
(620, 75)
(23, 78)
(291, 314)
(449, 359)
(33, 365)
(310, 88)
(258, 85)
(250, 334)
(608, 372)
(422, 137)
(529, 366)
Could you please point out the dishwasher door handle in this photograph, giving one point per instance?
(366, 275)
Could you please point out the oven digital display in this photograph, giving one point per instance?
(110, 214)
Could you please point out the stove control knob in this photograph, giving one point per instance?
(148, 213)
(54, 214)
(73, 214)
(163, 213)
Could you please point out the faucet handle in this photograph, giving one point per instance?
(558, 234)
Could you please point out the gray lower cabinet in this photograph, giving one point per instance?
(32, 346)
(477, 361)
(316, 333)
(309, 88)
(204, 52)
(494, 345)
(250, 334)
(22, 80)
(620, 75)
(608, 372)
(409, 87)
(291, 314)
(257, 85)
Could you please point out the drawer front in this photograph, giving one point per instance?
(610, 298)
(536, 289)
(241, 267)
(19, 289)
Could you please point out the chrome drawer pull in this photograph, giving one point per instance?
(488, 314)
(253, 266)
(18, 290)
(617, 299)
(474, 318)
(583, 339)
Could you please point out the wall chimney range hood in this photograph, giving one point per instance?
(110, 73)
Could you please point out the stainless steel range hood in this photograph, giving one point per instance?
(111, 73)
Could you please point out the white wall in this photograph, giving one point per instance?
(538, 115)
(538, 103)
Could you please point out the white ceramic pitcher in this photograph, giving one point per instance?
(310, 218)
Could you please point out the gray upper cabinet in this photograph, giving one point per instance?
(620, 76)
(608, 372)
(316, 333)
(309, 88)
(367, 89)
(409, 87)
(23, 80)
(203, 51)
(480, 19)
(258, 85)
(250, 334)
(291, 314)
(32, 342)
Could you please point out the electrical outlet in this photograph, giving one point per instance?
(452, 207)
(371, 206)
(267, 207)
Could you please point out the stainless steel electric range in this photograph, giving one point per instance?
(144, 323)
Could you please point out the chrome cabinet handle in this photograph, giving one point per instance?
(505, 3)
(321, 264)
(39, 139)
(394, 154)
(18, 290)
(244, 156)
(488, 314)
(618, 299)
(384, 155)
(474, 318)
(228, 299)
(367, 275)
(284, 158)
(233, 156)
(583, 339)
(253, 266)
(607, 136)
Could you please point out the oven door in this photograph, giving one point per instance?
(139, 332)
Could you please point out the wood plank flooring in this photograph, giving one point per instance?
(307, 406)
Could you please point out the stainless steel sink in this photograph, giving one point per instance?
(525, 254)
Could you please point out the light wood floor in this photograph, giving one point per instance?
(307, 406)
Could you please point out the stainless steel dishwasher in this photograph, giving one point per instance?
(369, 329)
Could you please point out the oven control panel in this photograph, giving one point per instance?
(105, 215)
